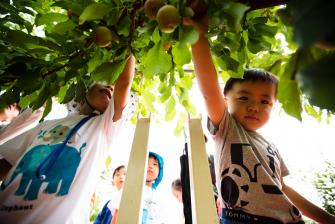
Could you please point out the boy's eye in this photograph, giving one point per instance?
(243, 98)
(265, 102)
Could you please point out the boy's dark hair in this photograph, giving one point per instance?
(252, 75)
(117, 169)
(176, 184)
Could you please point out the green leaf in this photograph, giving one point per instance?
(70, 94)
(228, 63)
(20, 38)
(256, 46)
(180, 123)
(109, 71)
(113, 17)
(9, 97)
(162, 87)
(181, 54)
(61, 94)
(170, 109)
(237, 11)
(51, 18)
(124, 26)
(108, 161)
(265, 30)
(188, 35)
(64, 27)
(95, 61)
(186, 82)
(166, 94)
(156, 37)
(47, 108)
(43, 96)
(148, 100)
(157, 61)
(80, 90)
(317, 81)
(313, 22)
(289, 97)
(94, 11)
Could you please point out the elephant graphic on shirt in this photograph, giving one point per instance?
(62, 173)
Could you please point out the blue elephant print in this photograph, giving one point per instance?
(62, 173)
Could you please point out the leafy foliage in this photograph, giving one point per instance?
(48, 49)
(325, 184)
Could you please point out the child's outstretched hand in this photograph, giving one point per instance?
(201, 25)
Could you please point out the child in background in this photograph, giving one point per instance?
(151, 205)
(26, 120)
(109, 209)
(55, 166)
(9, 113)
(177, 190)
(249, 168)
(151, 202)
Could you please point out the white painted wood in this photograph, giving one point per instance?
(130, 211)
(203, 203)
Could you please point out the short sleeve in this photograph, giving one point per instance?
(14, 148)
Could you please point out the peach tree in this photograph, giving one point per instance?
(55, 49)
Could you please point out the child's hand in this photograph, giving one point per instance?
(201, 24)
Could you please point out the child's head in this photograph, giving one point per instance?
(177, 189)
(10, 112)
(154, 170)
(119, 176)
(97, 98)
(250, 100)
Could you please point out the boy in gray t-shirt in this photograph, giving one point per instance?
(249, 169)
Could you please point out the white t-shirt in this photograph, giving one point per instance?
(25, 121)
(64, 196)
(115, 199)
(151, 206)
(248, 170)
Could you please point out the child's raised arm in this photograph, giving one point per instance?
(307, 208)
(122, 87)
(206, 75)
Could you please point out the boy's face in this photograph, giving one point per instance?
(153, 170)
(99, 96)
(250, 103)
(119, 178)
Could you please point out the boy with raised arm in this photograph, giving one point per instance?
(249, 168)
(55, 165)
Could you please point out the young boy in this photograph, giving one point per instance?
(106, 214)
(55, 165)
(249, 168)
(151, 202)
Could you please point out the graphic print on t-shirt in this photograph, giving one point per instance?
(62, 171)
(235, 179)
(231, 190)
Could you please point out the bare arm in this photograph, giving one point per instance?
(207, 77)
(122, 87)
(114, 219)
(307, 208)
(4, 168)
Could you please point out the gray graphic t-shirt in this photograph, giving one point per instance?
(248, 172)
